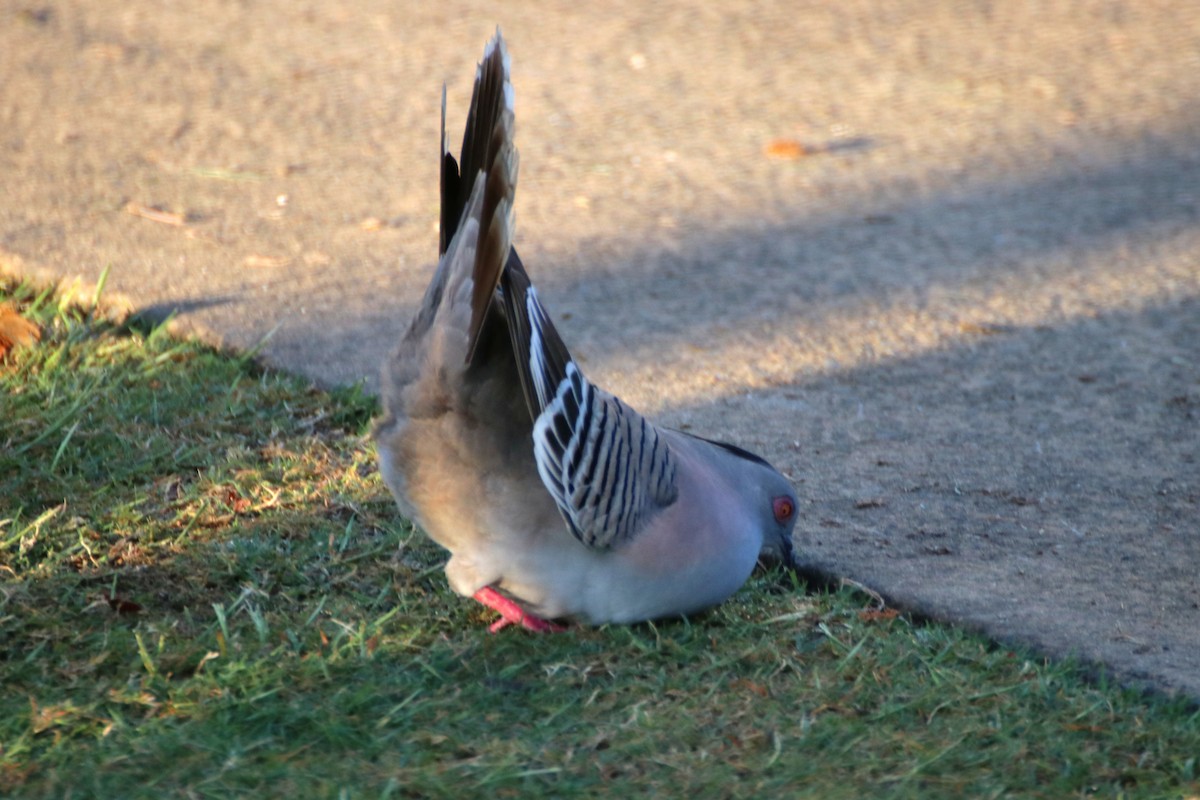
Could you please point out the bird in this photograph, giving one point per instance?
(555, 499)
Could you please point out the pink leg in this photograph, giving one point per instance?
(510, 612)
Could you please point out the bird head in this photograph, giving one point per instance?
(775, 504)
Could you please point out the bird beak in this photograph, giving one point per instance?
(788, 552)
(781, 552)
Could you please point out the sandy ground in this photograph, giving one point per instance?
(940, 263)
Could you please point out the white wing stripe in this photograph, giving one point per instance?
(600, 461)
(537, 369)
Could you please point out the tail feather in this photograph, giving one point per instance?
(488, 154)
(542, 356)
(491, 104)
(487, 149)
(452, 203)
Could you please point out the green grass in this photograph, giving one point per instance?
(207, 593)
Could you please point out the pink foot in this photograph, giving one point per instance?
(510, 612)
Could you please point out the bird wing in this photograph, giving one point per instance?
(607, 468)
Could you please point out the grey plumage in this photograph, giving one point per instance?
(547, 490)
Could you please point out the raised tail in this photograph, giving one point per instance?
(606, 467)
(476, 218)
(488, 157)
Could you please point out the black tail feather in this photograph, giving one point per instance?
(515, 287)
(487, 150)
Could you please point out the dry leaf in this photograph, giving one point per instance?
(750, 686)
(122, 606)
(44, 718)
(786, 149)
(986, 328)
(15, 330)
(234, 501)
(878, 614)
(209, 656)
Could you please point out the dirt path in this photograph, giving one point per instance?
(941, 265)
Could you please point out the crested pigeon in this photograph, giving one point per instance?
(555, 498)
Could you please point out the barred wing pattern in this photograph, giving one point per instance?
(607, 468)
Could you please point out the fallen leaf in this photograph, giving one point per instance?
(986, 328)
(122, 606)
(785, 149)
(209, 656)
(878, 614)
(44, 718)
(15, 330)
(750, 686)
(236, 503)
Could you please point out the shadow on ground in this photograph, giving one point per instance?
(860, 280)
(1040, 484)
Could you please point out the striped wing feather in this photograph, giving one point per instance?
(606, 467)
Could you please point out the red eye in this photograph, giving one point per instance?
(784, 508)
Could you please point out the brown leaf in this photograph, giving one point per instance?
(44, 718)
(122, 606)
(986, 328)
(878, 614)
(15, 330)
(785, 149)
(234, 500)
(750, 686)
